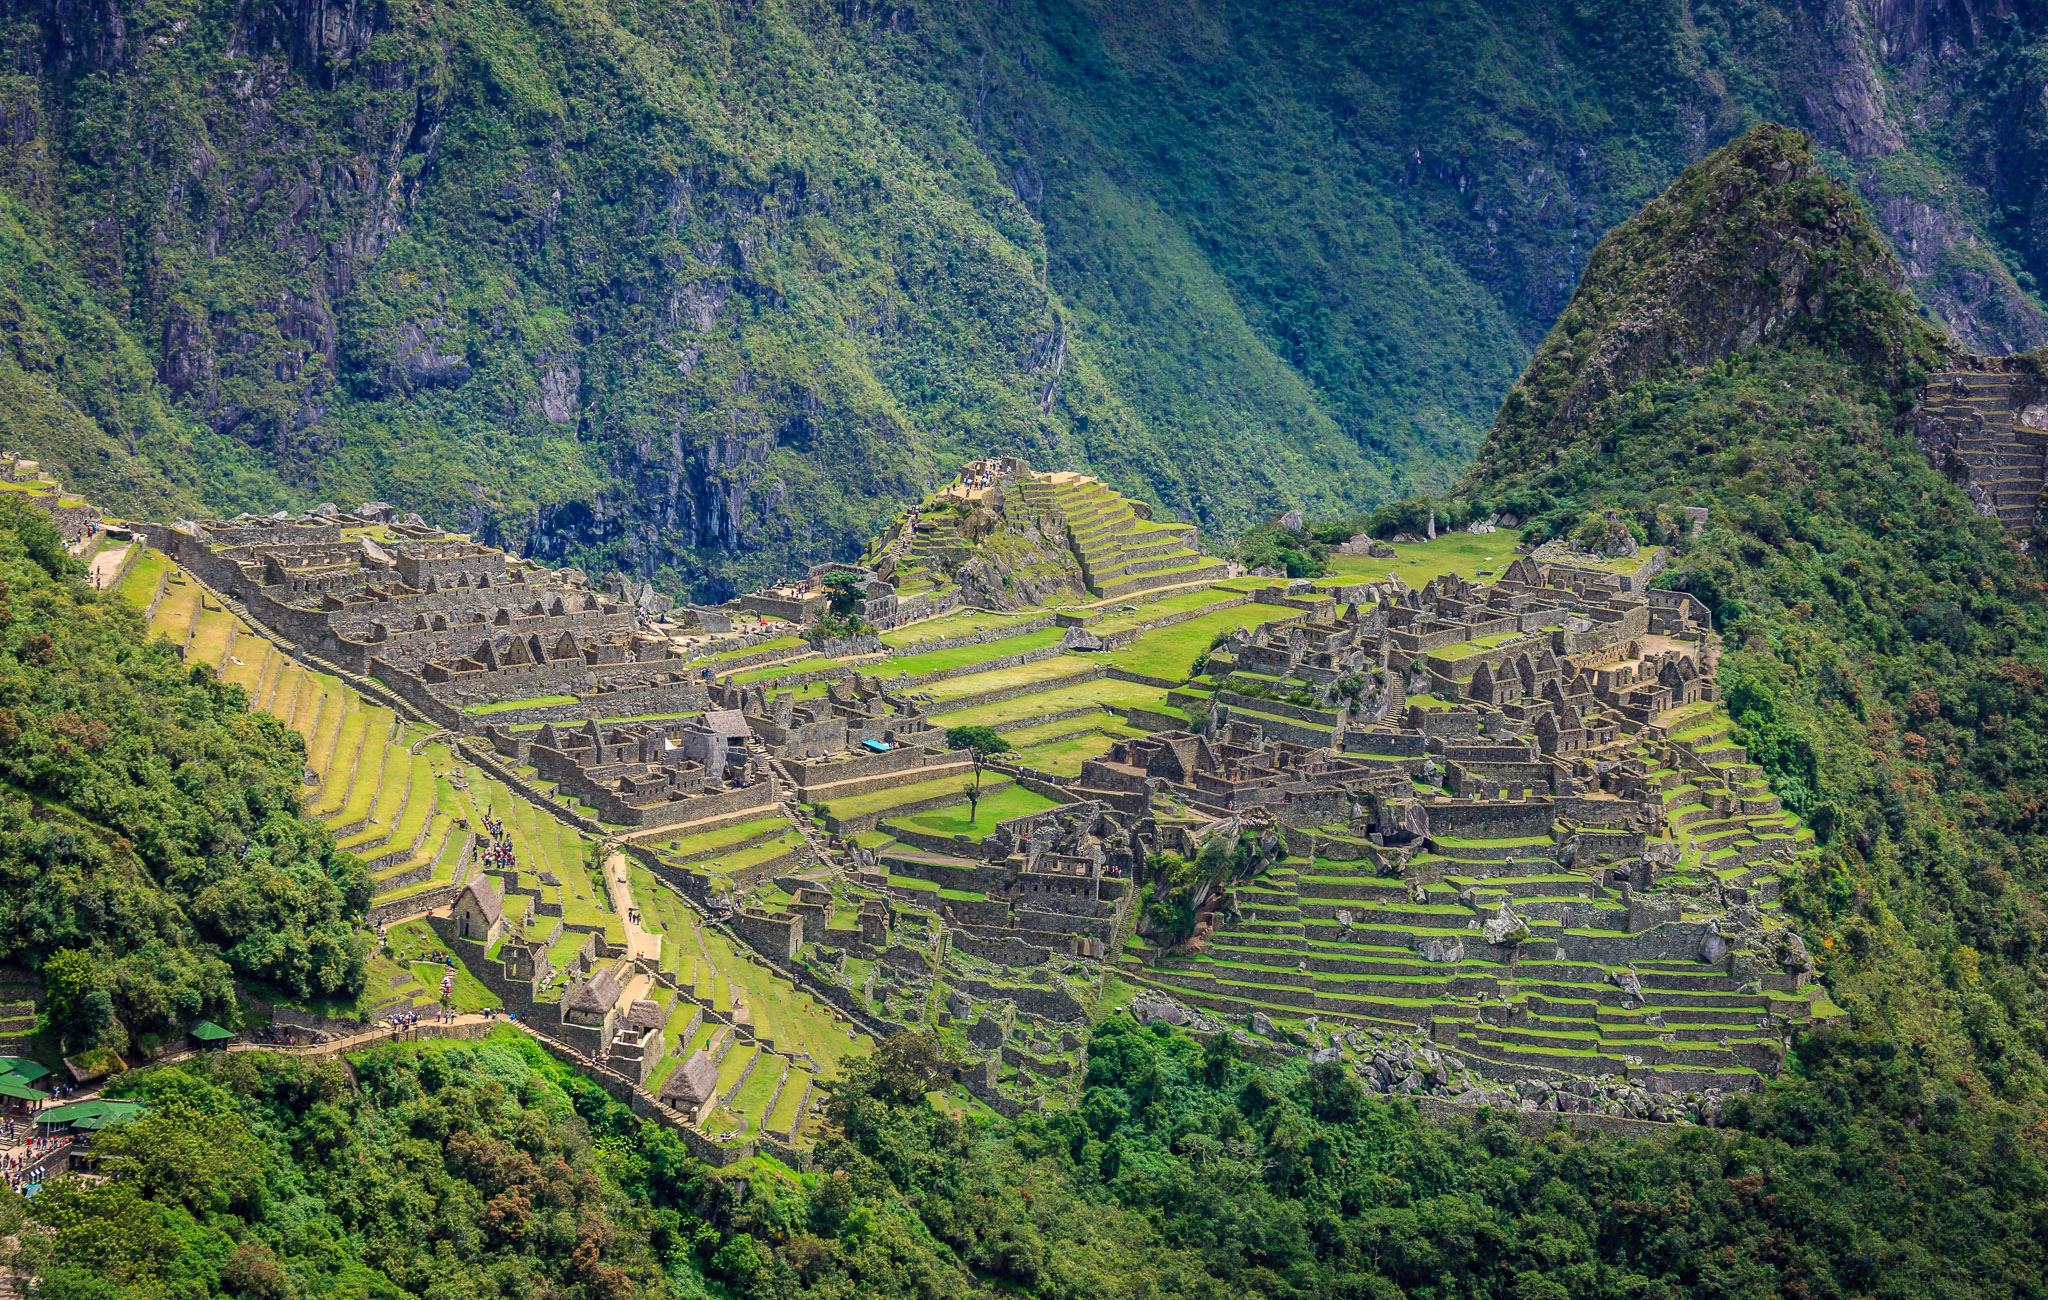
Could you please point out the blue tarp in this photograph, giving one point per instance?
(878, 746)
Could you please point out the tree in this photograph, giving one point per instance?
(842, 592)
(81, 1008)
(983, 743)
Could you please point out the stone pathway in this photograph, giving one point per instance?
(618, 881)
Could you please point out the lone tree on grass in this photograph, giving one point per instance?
(983, 743)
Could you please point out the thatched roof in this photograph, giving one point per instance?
(694, 1082)
(487, 900)
(597, 994)
(730, 723)
(644, 1014)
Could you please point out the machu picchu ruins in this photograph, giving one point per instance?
(1484, 834)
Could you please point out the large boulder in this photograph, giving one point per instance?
(986, 1033)
(1505, 927)
(1080, 638)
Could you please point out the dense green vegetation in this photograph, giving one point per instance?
(490, 1170)
(705, 290)
(151, 846)
(458, 1172)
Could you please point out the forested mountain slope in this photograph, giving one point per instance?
(702, 290)
(151, 845)
(1742, 345)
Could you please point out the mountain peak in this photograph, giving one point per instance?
(1753, 246)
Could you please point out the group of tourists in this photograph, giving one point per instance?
(981, 473)
(18, 1163)
(499, 853)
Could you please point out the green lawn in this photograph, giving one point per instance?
(711, 841)
(784, 643)
(961, 656)
(1047, 672)
(1105, 691)
(1169, 653)
(138, 584)
(1012, 801)
(815, 664)
(1461, 553)
(1175, 604)
(400, 969)
(952, 625)
(860, 805)
(1063, 758)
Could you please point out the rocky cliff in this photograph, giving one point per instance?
(702, 292)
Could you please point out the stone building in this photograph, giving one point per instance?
(478, 913)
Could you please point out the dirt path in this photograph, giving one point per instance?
(618, 880)
(106, 566)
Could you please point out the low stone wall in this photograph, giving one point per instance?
(1025, 688)
(1017, 660)
(1022, 627)
(1051, 1003)
(1535, 1123)
(1152, 720)
(1060, 715)
(404, 909)
(1009, 951)
(866, 821)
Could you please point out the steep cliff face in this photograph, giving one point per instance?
(702, 291)
(1911, 91)
(686, 296)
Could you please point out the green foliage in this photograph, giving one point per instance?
(705, 292)
(1184, 1170)
(1296, 553)
(842, 592)
(1178, 884)
(482, 1170)
(983, 742)
(150, 837)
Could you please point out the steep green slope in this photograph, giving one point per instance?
(489, 1170)
(702, 290)
(1741, 346)
(151, 846)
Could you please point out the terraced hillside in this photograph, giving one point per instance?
(391, 792)
(1333, 933)
(873, 867)
(397, 794)
(1036, 538)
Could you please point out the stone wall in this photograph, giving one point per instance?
(1017, 660)
(1009, 951)
(1021, 627)
(1025, 688)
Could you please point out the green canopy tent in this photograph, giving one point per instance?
(24, 1068)
(97, 1113)
(18, 1088)
(210, 1034)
